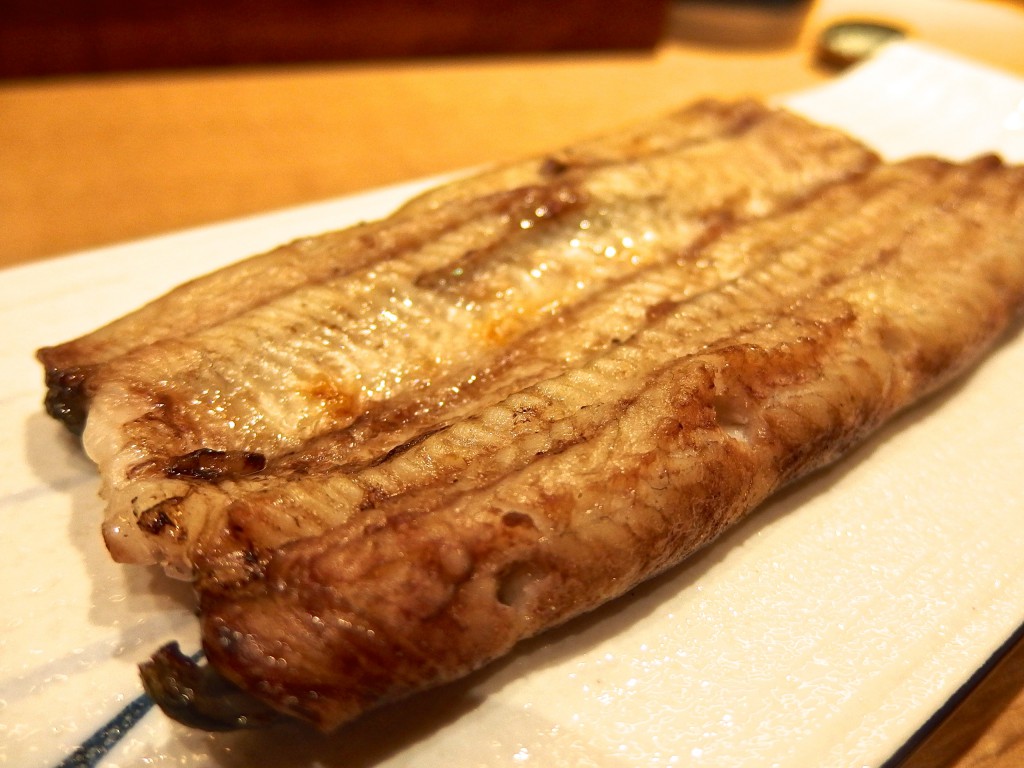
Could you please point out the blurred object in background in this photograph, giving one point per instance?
(845, 43)
(52, 37)
(739, 23)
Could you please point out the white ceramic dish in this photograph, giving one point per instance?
(826, 630)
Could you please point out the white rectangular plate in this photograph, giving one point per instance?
(825, 630)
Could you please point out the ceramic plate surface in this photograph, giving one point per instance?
(825, 630)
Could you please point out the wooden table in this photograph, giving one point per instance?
(86, 161)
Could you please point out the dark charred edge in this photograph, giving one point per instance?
(407, 445)
(213, 465)
(196, 696)
(155, 519)
(66, 399)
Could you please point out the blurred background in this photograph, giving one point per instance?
(125, 118)
(62, 36)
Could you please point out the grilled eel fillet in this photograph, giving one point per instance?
(397, 318)
(387, 454)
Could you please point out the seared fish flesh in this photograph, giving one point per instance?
(388, 454)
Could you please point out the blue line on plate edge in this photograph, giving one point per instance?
(93, 749)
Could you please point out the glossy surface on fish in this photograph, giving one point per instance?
(513, 404)
(282, 354)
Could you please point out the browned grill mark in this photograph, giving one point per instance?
(161, 519)
(532, 208)
(212, 465)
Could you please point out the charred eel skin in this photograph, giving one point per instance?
(424, 439)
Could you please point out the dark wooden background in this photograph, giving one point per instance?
(46, 37)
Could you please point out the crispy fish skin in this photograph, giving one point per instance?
(178, 410)
(572, 491)
(288, 500)
(797, 297)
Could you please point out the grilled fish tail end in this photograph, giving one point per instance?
(195, 695)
